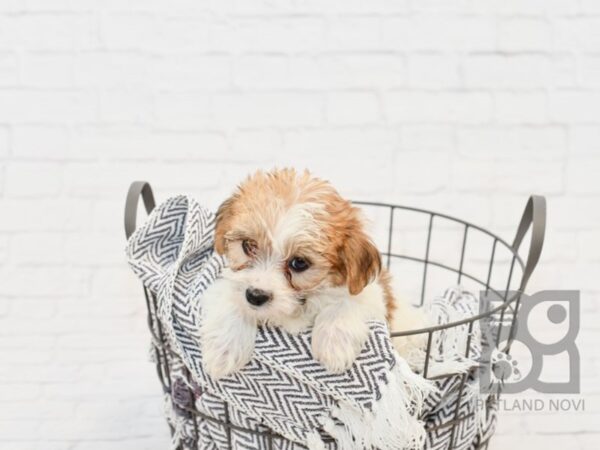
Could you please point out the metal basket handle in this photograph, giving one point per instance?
(137, 189)
(534, 216)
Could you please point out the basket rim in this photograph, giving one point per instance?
(445, 216)
(507, 302)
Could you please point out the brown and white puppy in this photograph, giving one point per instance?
(298, 256)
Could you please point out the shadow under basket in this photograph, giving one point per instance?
(426, 252)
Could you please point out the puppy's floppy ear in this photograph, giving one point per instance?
(361, 261)
(224, 215)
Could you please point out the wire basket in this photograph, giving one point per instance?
(425, 251)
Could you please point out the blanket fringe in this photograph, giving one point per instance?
(393, 422)
(314, 441)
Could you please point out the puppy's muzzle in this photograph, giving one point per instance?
(257, 297)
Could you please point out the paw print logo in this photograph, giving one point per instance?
(555, 312)
(505, 367)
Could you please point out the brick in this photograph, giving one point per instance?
(33, 308)
(14, 430)
(427, 137)
(305, 73)
(352, 108)
(33, 180)
(41, 142)
(575, 106)
(261, 71)
(54, 70)
(82, 341)
(410, 167)
(566, 212)
(364, 70)
(524, 34)
(561, 246)
(269, 109)
(582, 175)
(443, 107)
(49, 31)
(437, 33)
(44, 409)
(353, 33)
(52, 107)
(94, 249)
(288, 34)
(4, 249)
(589, 6)
(322, 152)
(529, 440)
(437, 6)
(9, 73)
(188, 111)
(529, 7)
(45, 282)
(187, 33)
(112, 68)
(590, 71)
(261, 146)
(433, 71)
(52, 430)
(101, 307)
(54, 6)
(136, 6)
(128, 31)
(23, 391)
(89, 180)
(49, 215)
(350, 7)
(4, 141)
(276, 71)
(126, 106)
(522, 108)
(135, 143)
(587, 441)
(585, 139)
(513, 143)
(541, 177)
(195, 72)
(588, 241)
(581, 33)
(518, 71)
(139, 443)
(105, 210)
(26, 248)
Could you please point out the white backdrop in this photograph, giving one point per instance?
(461, 106)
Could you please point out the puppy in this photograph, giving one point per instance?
(298, 256)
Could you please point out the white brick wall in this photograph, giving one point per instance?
(463, 106)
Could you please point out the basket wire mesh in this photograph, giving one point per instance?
(506, 289)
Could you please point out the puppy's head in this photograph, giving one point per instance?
(286, 236)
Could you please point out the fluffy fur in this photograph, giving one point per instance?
(274, 224)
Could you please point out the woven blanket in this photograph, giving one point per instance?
(378, 403)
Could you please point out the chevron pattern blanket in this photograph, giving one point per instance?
(379, 403)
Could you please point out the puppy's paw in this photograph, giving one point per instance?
(337, 348)
(224, 355)
(227, 338)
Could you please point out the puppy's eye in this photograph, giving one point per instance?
(249, 247)
(298, 264)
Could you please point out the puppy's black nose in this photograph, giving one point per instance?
(257, 297)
